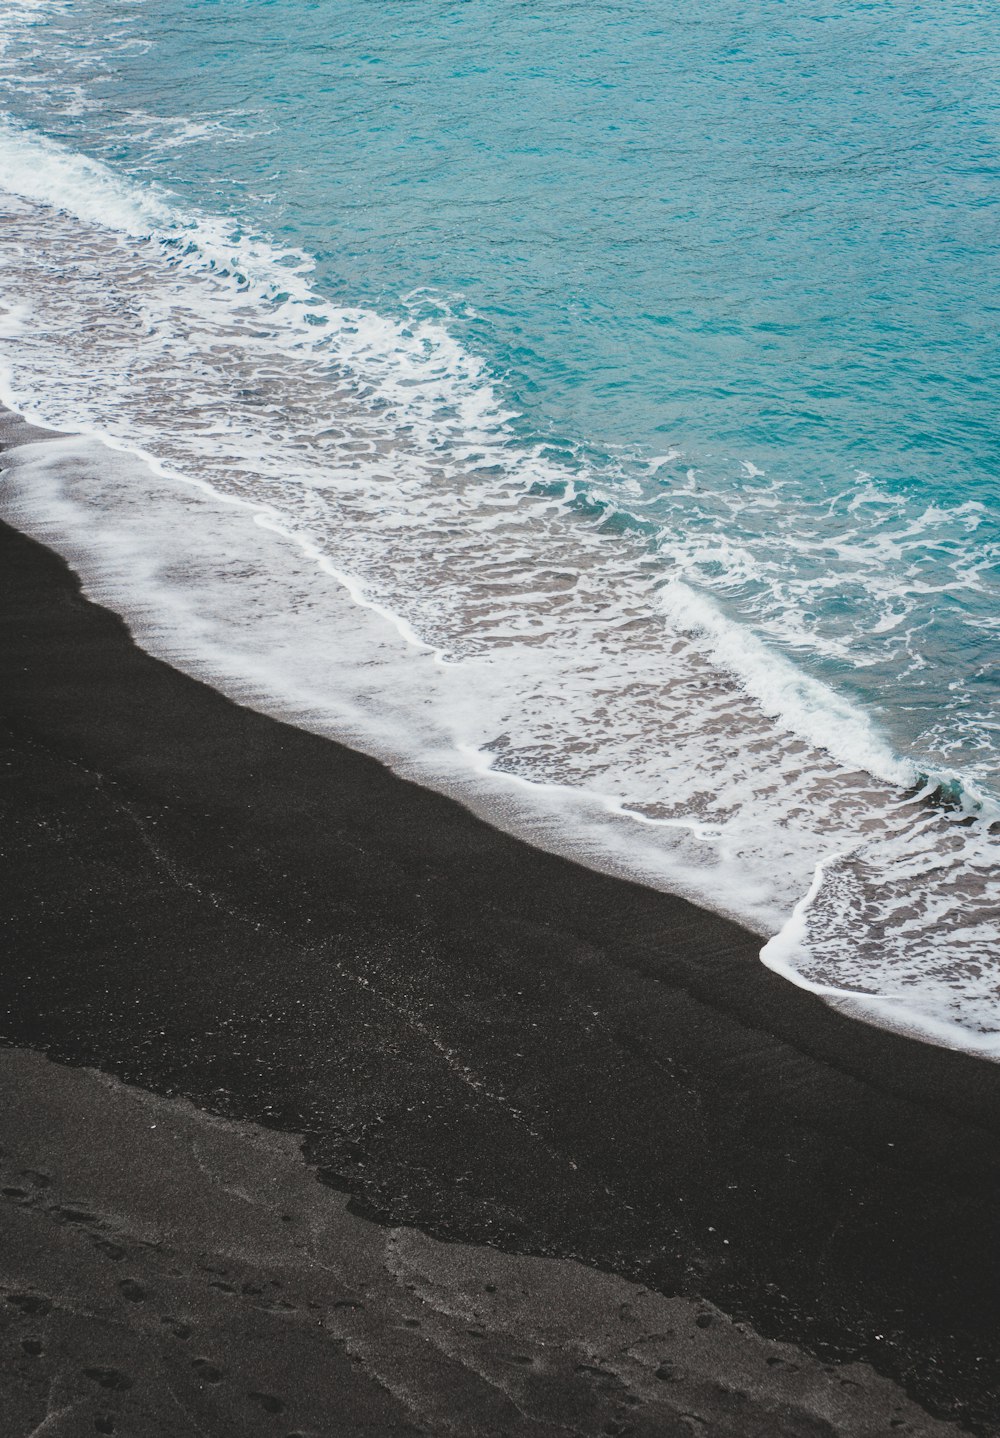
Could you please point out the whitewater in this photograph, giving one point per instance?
(342, 516)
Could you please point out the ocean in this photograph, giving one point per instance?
(588, 408)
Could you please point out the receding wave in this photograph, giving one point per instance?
(334, 515)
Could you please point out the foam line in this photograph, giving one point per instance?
(403, 600)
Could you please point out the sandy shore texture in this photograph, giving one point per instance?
(208, 1285)
(476, 1041)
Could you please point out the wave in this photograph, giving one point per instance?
(334, 515)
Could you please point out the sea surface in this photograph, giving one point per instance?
(589, 408)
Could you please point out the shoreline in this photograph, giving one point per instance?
(358, 704)
(477, 1039)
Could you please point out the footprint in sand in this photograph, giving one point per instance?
(268, 1402)
(132, 1290)
(31, 1303)
(114, 1251)
(36, 1177)
(207, 1371)
(695, 1426)
(178, 1328)
(72, 1215)
(669, 1372)
(112, 1378)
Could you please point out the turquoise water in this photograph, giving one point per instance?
(722, 283)
(763, 236)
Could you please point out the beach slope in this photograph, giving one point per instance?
(474, 1039)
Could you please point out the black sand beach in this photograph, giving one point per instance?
(478, 1042)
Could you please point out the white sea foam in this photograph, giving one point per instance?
(330, 515)
(797, 702)
(921, 1011)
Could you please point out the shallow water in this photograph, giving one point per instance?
(609, 404)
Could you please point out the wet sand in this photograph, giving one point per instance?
(208, 1285)
(476, 1041)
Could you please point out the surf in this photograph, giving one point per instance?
(344, 516)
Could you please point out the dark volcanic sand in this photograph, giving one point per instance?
(478, 1039)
